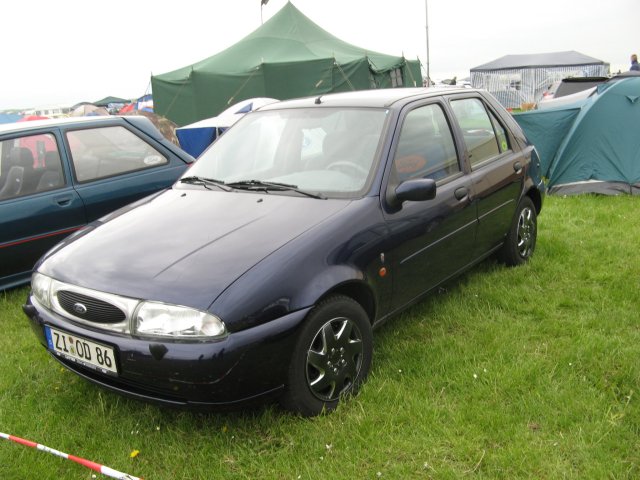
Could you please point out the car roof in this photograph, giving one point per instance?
(381, 98)
(34, 124)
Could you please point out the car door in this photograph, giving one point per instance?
(497, 169)
(430, 240)
(113, 166)
(38, 204)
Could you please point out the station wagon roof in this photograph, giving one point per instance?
(34, 124)
(380, 98)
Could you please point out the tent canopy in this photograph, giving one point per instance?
(288, 56)
(592, 146)
(539, 60)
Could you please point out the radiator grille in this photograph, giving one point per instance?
(94, 310)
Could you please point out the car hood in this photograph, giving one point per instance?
(185, 246)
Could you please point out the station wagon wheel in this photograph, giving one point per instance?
(332, 357)
(521, 239)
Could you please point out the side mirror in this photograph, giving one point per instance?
(416, 190)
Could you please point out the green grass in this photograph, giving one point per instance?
(530, 372)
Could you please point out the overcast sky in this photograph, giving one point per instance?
(68, 51)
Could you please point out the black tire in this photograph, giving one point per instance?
(331, 359)
(521, 239)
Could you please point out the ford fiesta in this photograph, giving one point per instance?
(265, 267)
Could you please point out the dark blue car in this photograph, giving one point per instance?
(264, 269)
(56, 176)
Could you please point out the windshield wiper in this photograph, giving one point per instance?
(274, 186)
(193, 180)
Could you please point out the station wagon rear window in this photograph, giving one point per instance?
(107, 151)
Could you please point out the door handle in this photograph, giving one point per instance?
(461, 193)
(63, 201)
(517, 167)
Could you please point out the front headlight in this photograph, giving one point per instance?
(163, 320)
(41, 289)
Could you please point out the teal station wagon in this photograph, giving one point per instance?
(56, 176)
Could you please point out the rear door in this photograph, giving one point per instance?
(431, 240)
(38, 204)
(497, 169)
(114, 165)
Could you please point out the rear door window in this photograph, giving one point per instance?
(108, 151)
(484, 136)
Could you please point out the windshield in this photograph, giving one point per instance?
(327, 151)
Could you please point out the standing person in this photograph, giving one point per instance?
(634, 63)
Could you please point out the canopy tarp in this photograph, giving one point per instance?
(288, 56)
(539, 60)
(600, 152)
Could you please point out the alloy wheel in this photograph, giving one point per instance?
(334, 359)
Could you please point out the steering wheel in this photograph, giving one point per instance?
(347, 165)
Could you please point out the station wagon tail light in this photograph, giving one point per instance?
(41, 288)
(172, 321)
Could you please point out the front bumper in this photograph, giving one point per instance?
(241, 367)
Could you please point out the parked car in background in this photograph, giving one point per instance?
(56, 176)
(264, 269)
(569, 90)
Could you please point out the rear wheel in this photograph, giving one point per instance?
(332, 357)
(521, 239)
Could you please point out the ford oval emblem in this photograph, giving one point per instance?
(79, 308)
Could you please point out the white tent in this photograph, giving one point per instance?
(518, 79)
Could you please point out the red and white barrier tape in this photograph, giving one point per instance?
(110, 472)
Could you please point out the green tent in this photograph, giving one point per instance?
(592, 146)
(547, 129)
(108, 100)
(289, 56)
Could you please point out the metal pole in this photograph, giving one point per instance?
(426, 13)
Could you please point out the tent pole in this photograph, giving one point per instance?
(426, 13)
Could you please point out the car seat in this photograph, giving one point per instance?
(52, 176)
(13, 185)
(22, 157)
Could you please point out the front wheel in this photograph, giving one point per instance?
(332, 357)
(521, 239)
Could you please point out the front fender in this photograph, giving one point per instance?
(347, 250)
(250, 302)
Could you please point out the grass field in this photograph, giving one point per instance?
(530, 372)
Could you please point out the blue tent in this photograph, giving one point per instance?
(592, 146)
(9, 117)
(195, 138)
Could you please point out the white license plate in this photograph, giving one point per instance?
(82, 351)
